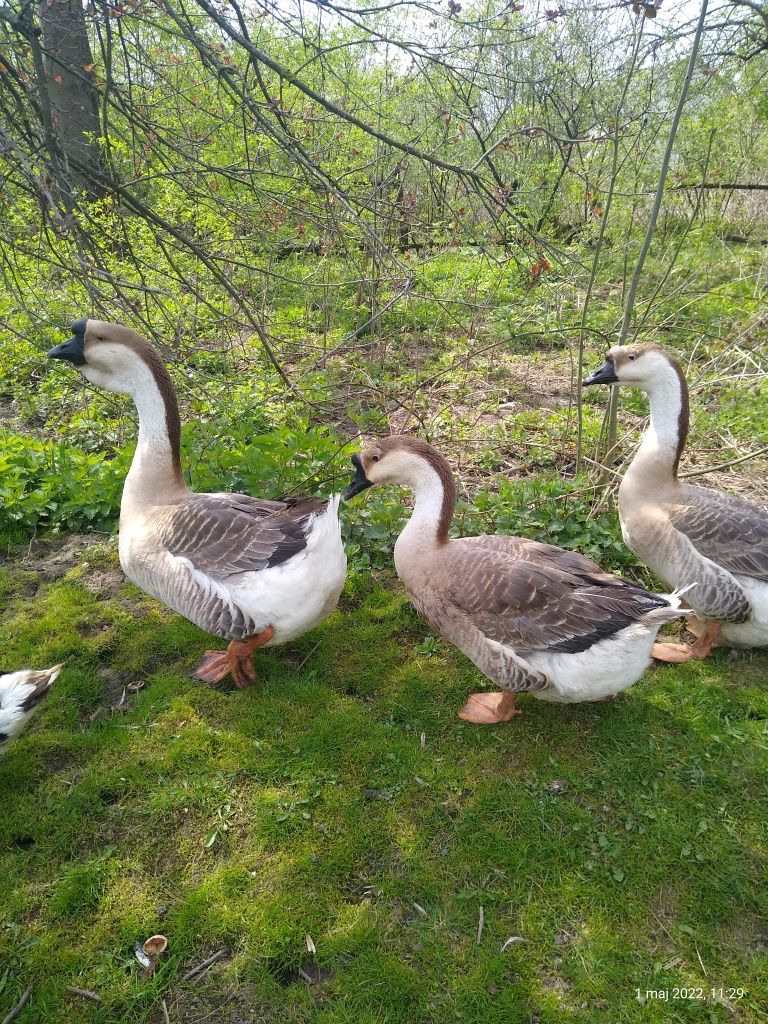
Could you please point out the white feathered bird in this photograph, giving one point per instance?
(20, 693)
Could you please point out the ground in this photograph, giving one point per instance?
(360, 854)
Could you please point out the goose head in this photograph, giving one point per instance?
(642, 366)
(109, 355)
(399, 459)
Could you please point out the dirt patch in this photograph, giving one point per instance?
(749, 934)
(118, 694)
(7, 410)
(554, 983)
(115, 689)
(57, 763)
(103, 583)
(307, 973)
(236, 1004)
(52, 557)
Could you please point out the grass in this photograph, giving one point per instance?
(343, 799)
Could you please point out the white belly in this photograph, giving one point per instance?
(302, 592)
(606, 668)
(755, 632)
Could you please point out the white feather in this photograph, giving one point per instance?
(299, 593)
(604, 669)
(15, 689)
(607, 667)
(753, 633)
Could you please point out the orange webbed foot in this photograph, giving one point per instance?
(706, 634)
(240, 653)
(705, 638)
(489, 708)
(241, 666)
(236, 659)
(213, 667)
(673, 654)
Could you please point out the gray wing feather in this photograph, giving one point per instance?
(562, 601)
(225, 534)
(500, 664)
(731, 532)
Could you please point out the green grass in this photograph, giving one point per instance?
(343, 799)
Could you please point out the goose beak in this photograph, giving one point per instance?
(72, 350)
(605, 375)
(360, 481)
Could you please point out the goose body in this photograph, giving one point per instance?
(533, 617)
(20, 693)
(688, 534)
(254, 571)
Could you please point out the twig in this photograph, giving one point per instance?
(725, 465)
(305, 659)
(86, 993)
(605, 469)
(18, 1007)
(206, 1016)
(197, 971)
(480, 923)
(629, 302)
(698, 954)
(166, 1018)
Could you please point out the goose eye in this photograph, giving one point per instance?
(631, 358)
(99, 337)
(375, 458)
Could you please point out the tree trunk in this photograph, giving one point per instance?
(73, 97)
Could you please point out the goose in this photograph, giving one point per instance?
(20, 693)
(253, 571)
(682, 532)
(532, 617)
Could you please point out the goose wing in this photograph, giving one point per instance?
(729, 531)
(225, 534)
(547, 554)
(540, 597)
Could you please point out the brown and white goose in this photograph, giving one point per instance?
(688, 534)
(254, 571)
(532, 617)
(20, 693)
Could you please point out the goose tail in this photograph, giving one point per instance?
(20, 693)
(672, 609)
(41, 682)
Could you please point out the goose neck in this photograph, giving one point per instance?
(658, 457)
(155, 475)
(434, 493)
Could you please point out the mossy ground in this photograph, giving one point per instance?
(343, 799)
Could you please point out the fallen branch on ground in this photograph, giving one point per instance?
(197, 971)
(18, 1007)
(86, 993)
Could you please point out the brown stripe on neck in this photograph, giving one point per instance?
(440, 465)
(683, 420)
(168, 395)
(443, 470)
